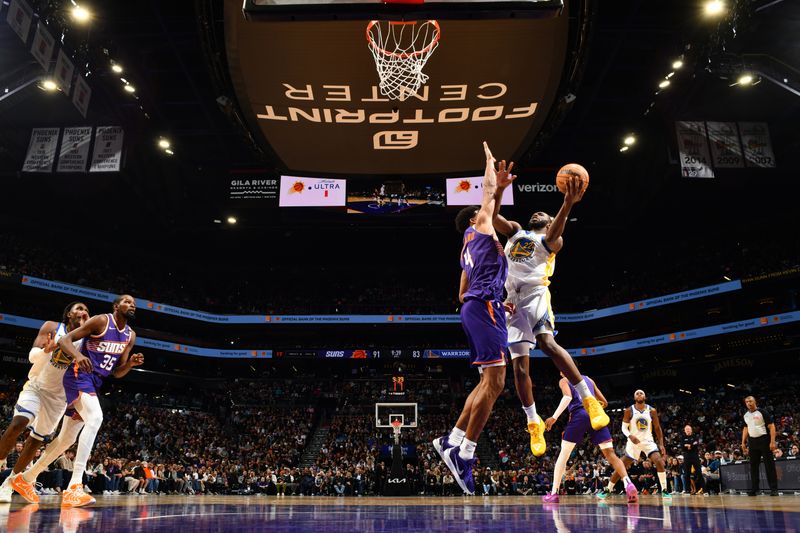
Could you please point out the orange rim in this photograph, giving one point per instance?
(404, 55)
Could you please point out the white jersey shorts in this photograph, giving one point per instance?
(634, 451)
(533, 316)
(43, 409)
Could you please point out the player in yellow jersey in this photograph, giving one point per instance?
(531, 257)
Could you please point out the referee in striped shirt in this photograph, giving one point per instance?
(758, 439)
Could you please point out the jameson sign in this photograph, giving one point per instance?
(323, 113)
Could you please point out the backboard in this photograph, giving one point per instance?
(386, 413)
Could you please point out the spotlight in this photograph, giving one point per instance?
(630, 140)
(80, 14)
(664, 84)
(163, 143)
(116, 68)
(745, 79)
(130, 88)
(714, 7)
(49, 85)
(677, 64)
(624, 148)
(231, 220)
(169, 152)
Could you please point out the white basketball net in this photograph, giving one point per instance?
(401, 50)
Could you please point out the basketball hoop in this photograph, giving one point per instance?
(396, 425)
(401, 50)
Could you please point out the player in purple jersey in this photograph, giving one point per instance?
(579, 425)
(483, 275)
(105, 351)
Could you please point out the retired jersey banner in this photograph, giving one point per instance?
(312, 192)
(725, 148)
(82, 95)
(41, 150)
(107, 155)
(469, 191)
(693, 149)
(757, 144)
(43, 46)
(64, 70)
(19, 18)
(74, 152)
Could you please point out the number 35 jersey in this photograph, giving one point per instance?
(104, 350)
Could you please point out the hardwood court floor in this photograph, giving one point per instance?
(202, 514)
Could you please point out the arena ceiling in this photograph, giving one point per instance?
(175, 54)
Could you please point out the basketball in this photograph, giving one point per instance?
(569, 170)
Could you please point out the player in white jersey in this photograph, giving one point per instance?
(531, 261)
(42, 402)
(639, 423)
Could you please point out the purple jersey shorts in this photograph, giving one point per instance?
(77, 381)
(579, 425)
(484, 322)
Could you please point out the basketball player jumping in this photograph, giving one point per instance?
(41, 403)
(639, 423)
(578, 426)
(484, 269)
(106, 350)
(532, 259)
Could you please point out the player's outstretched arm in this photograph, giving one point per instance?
(599, 394)
(562, 406)
(94, 326)
(501, 224)
(483, 221)
(573, 195)
(43, 344)
(463, 286)
(126, 361)
(658, 432)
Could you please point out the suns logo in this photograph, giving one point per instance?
(59, 359)
(522, 250)
(642, 424)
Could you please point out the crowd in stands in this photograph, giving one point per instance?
(389, 291)
(144, 448)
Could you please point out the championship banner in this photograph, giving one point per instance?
(41, 150)
(63, 73)
(82, 95)
(74, 152)
(107, 155)
(43, 46)
(693, 149)
(725, 147)
(757, 144)
(312, 192)
(469, 191)
(19, 18)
